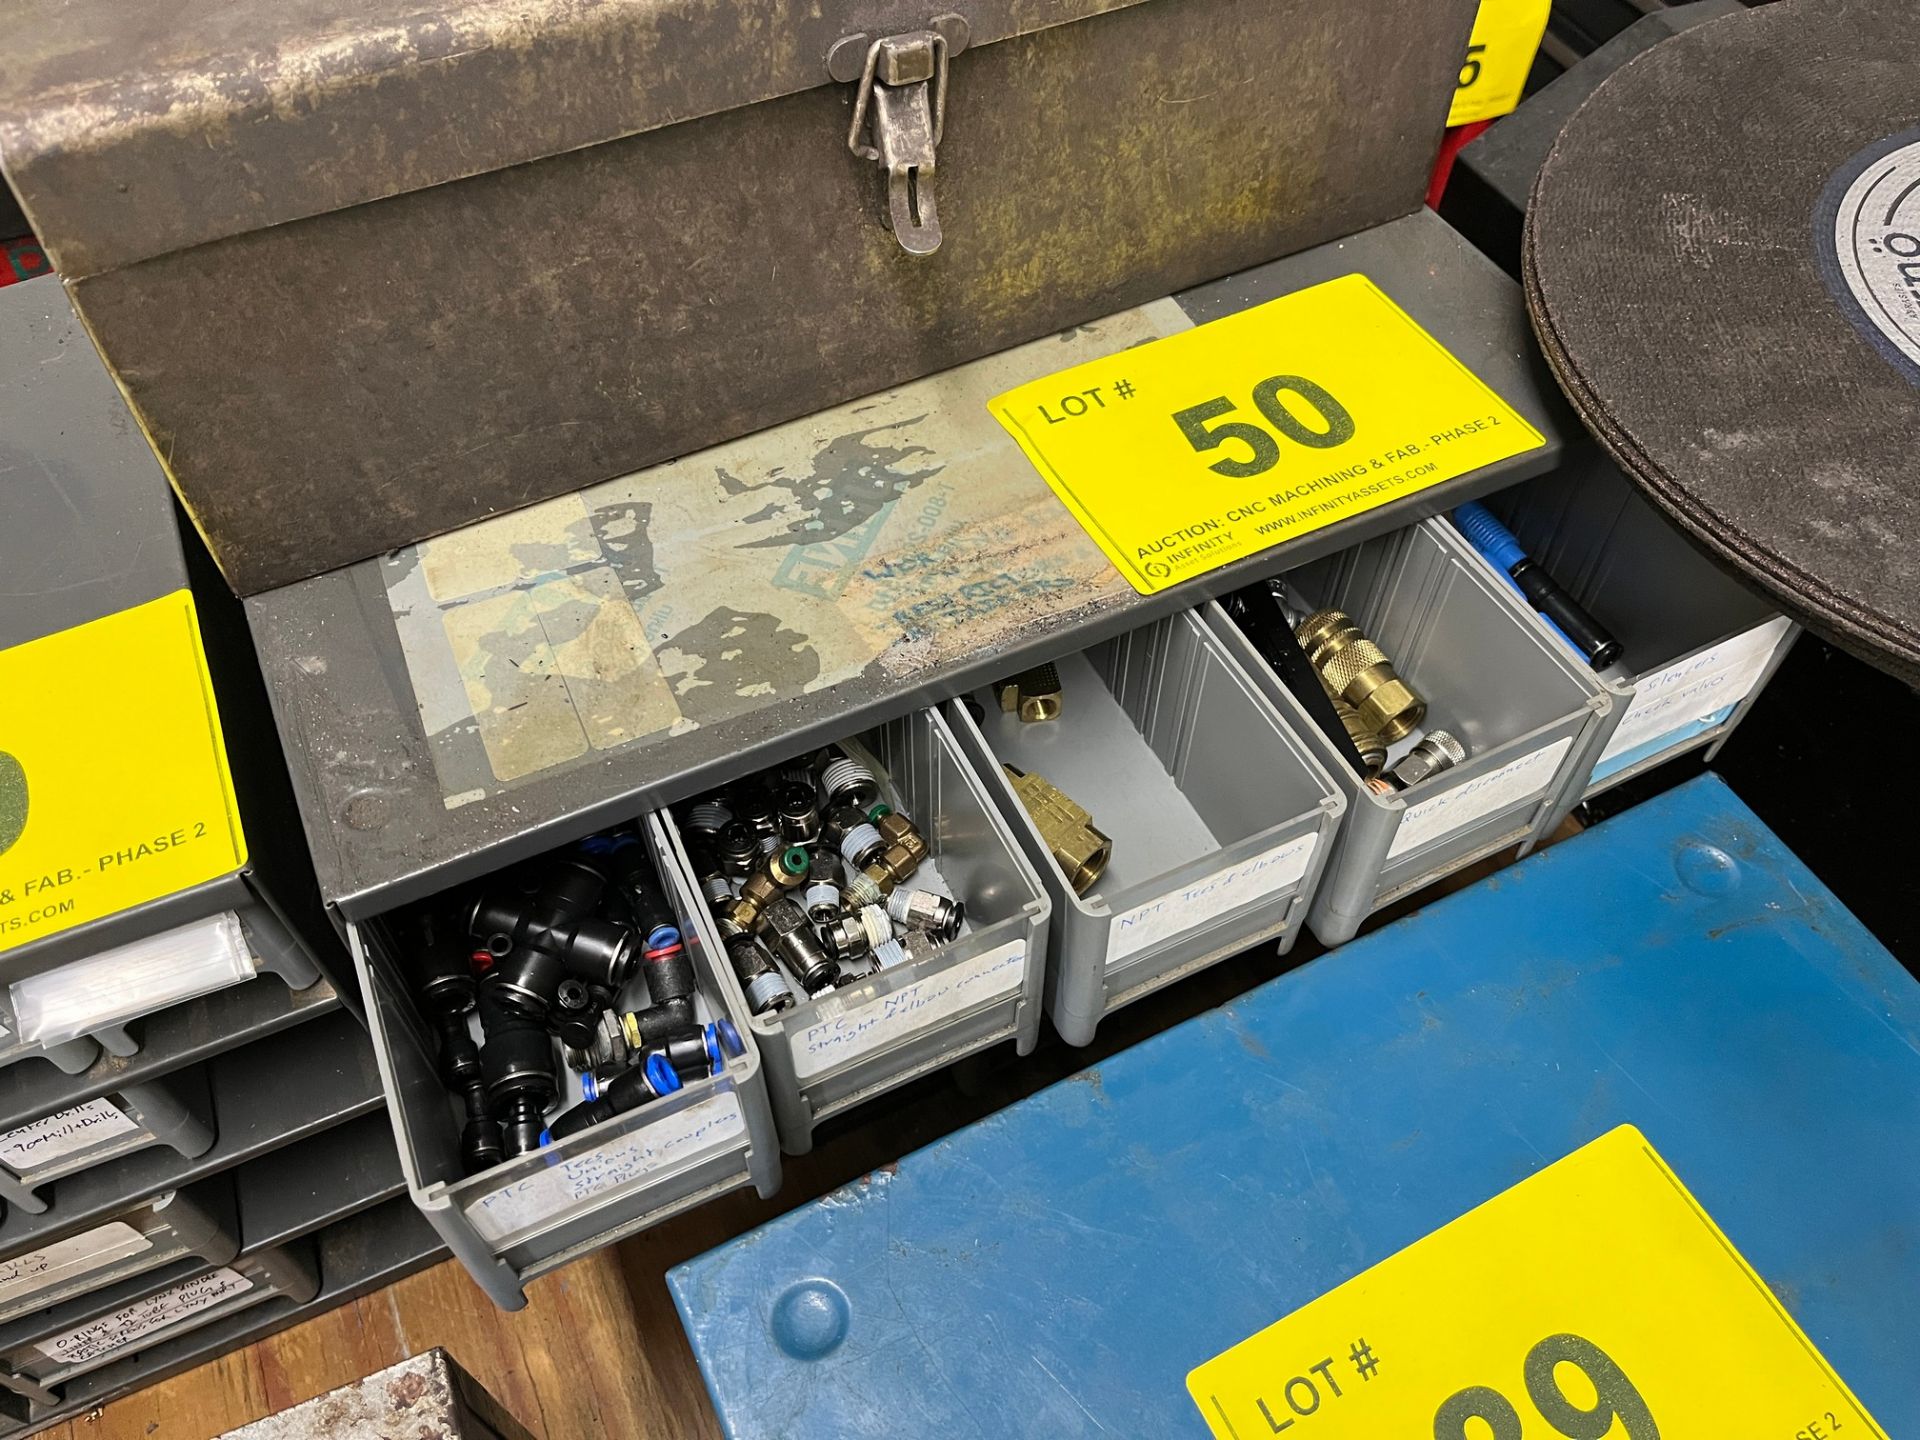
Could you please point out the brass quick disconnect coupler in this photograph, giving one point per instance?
(1358, 671)
(1079, 849)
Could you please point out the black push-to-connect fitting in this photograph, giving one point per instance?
(516, 1063)
(646, 1081)
(558, 919)
(443, 975)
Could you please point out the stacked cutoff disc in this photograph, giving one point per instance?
(1717, 267)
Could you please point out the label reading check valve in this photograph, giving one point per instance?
(1594, 1301)
(1205, 447)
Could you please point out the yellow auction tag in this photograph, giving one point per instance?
(113, 780)
(1594, 1301)
(1204, 447)
(1506, 36)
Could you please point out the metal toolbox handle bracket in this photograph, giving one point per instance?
(899, 116)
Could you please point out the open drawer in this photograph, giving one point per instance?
(1524, 707)
(1697, 646)
(939, 1001)
(538, 1210)
(1220, 818)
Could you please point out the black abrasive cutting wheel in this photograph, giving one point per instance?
(1723, 266)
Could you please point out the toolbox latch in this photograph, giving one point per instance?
(899, 113)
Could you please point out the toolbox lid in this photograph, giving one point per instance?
(130, 131)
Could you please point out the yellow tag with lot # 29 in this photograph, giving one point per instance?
(113, 780)
(1594, 1301)
(1192, 451)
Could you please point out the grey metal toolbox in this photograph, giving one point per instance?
(1698, 646)
(829, 1053)
(589, 216)
(539, 1210)
(1524, 706)
(172, 1111)
(1221, 818)
(43, 1352)
(198, 1221)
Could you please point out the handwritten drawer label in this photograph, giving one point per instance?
(860, 1029)
(1694, 688)
(1204, 901)
(143, 1317)
(670, 1140)
(94, 1249)
(67, 1132)
(1517, 780)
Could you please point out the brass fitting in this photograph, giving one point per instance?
(897, 829)
(906, 848)
(1079, 849)
(784, 870)
(1034, 695)
(1358, 671)
(1373, 750)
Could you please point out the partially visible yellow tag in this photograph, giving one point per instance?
(113, 779)
(1204, 447)
(1595, 1299)
(1506, 37)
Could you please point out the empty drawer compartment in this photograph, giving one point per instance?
(920, 999)
(1220, 817)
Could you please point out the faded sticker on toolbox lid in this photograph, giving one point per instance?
(1208, 446)
(1595, 1298)
(878, 537)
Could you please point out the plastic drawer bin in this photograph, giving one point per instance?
(537, 1211)
(828, 1054)
(44, 1351)
(1698, 646)
(199, 1222)
(1221, 817)
(170, 1111)
(1523, 704)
